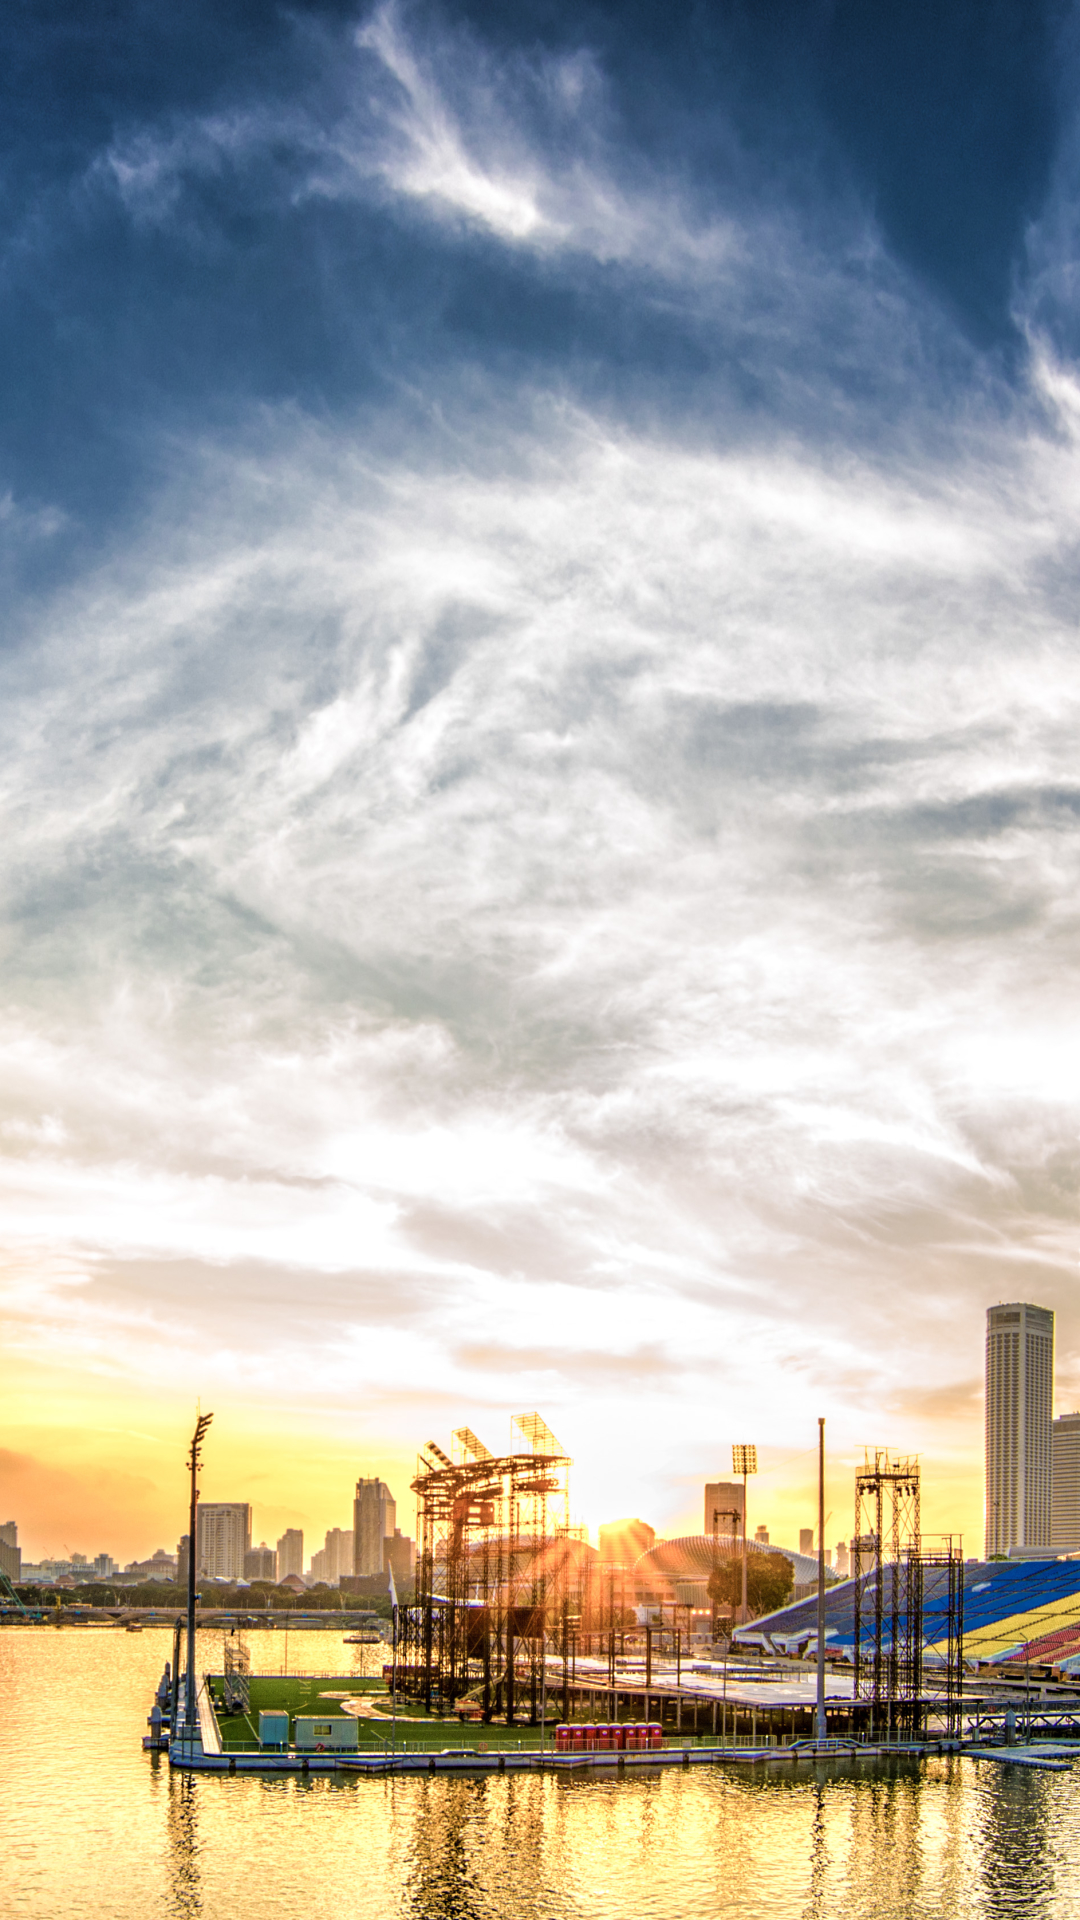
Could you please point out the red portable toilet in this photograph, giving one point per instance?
(618, 1738)
(633, 1736)
(562, 1739)
(577, 1739)
(603, 1739)
(656, 1734)
(589, 1732)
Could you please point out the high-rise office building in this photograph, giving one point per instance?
(335, 1556)
(724, 1497)
(224, 1536)
(183, 1555)
(374, 1519)
(340, 1551)
(10, 1551)
(399, 1556)
(260, 1563)
(1019, 1409)
(1065, 1483)
(290, 1553)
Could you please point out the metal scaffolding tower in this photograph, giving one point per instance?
(909, 1603)
(888, 1610)
(495, 1572)
(942, 1578)
(237, 1680)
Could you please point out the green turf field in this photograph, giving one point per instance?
(304, 1695)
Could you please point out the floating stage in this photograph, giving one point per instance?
(472, 1760)
(215, 1744)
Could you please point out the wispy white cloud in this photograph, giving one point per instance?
(526, 894)
(618, 886)
(524, 150)
(433, 158)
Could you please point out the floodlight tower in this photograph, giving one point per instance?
(744, 1461)
(194, 1462)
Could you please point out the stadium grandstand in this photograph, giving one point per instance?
(1014, 1610)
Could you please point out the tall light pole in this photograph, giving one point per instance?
(821, 1582)
(194, 1461)
(744, 1461)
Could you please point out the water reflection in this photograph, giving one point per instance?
(946, 1802)
(441, 1881)
(90, 1825)
(182, 1827)
(1017, 1859)
(816, 1907)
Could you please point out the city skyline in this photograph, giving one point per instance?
(1026, 1470)
(791, 1498)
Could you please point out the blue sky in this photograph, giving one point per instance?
(539, 704)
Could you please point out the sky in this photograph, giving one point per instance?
(539, 698)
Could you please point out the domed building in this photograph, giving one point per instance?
(679, 1569)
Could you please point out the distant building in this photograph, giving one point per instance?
(183, 1554)
(624, 1541)
(374, 1519)
(1019, 1408)
(340, 1548)
(761, 1535)
(290, 1553)
(160, 1566)
(1065, 1483)
(335, 1556)
(399, 1553)
(843, 1559)
(260, 1563)
(806, 1539)
(723, 1497)
(10, 1551)
(105, 1566)
(223, 1538)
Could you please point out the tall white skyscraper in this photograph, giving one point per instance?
(1019, 1410)
(224, 1537)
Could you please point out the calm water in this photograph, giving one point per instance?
(93, 1828)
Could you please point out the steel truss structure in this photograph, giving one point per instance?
(497, 1575)
(237, 1683)
(909, 1603)
(942, 1596)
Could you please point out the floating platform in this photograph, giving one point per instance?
(1041, 1759)
(204, 1752)
(197, 1759)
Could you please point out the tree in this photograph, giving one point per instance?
(770, 1583)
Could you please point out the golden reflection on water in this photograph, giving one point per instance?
(92, 1826)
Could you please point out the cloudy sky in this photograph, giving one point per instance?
(540, 708)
